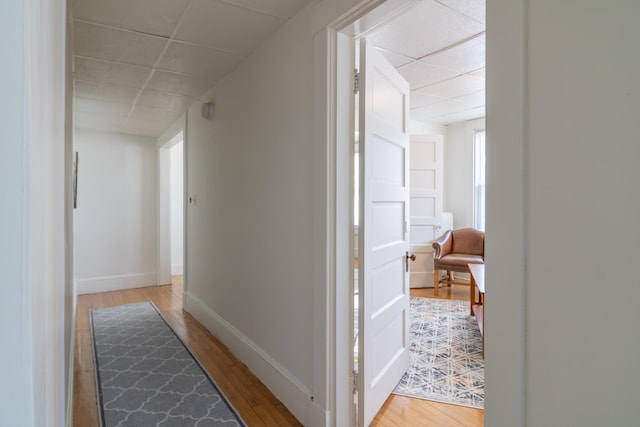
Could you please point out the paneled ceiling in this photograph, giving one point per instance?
(138, 64)
(439, 47)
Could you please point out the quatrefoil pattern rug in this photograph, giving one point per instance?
(446, 354)
(147, 377)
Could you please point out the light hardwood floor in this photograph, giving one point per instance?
(255, 403)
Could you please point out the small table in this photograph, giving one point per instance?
(476, 302)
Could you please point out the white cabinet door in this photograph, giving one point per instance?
(384, 231)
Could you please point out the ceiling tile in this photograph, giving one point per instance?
(475, 99)
(476, 9)
(149, 121)
(225, 26)
(197, 61)
(419, 74)
(466, 57)
(158, 17)
(425, 28)
(164, 81)
(460, 116)
(94, 106)
(282, 8)
(94, 41)
(396, 59)
(150, 114)
(458, 86)
(166, 101)
(86, 120)
(98, 71)
(143, 128)
(119, 94)
(418, 99)
(478, 73)
(445, 107)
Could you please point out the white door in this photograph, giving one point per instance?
(427, 182)
(384, 232)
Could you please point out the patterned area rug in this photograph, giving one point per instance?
(147, 377)
(446, 354)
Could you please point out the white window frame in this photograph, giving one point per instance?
(479, 174)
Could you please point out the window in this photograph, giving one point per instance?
(479, 155)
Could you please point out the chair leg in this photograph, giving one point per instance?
(472, 294)
(436, 280)
(449, 277)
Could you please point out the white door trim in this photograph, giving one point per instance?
(333, 142)
(506, 50)
(163, 244)
(505, 244)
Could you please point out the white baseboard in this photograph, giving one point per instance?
(94, 285)
(177, 269)
(285, 386)
(319, 417)
(421, 280)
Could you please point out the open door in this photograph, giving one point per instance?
(427, 182)
(384, 232)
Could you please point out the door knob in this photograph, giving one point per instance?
(408, 257)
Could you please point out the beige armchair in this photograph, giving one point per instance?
(454, 251)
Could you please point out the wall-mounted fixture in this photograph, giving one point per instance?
(207, 110)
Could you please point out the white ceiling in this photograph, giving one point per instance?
(439, 47)
(138, 64)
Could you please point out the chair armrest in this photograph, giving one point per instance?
(442, 245)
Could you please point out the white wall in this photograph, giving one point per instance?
(426, 128)
(250, 236)
(459, 171)
(177, 191)
(35, 318)
(562, 222)
(116, 215)
(16, 394)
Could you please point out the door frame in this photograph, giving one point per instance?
(334, 56)
(163, 243)
(505, 206)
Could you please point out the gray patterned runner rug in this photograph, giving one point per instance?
(446, 354)
(147, 377)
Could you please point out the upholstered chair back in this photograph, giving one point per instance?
(467, 241)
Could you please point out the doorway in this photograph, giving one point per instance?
(345, 47)
(176, 220)
(171, 207)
